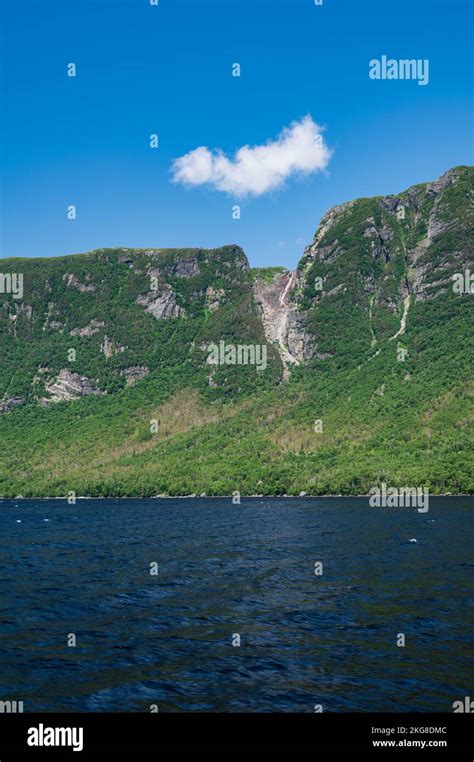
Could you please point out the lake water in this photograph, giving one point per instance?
(227, 570)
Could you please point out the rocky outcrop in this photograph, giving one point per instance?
(7, 404)
(373, 259)
(299, 341)
(134, 373)
(73, 282)
(359, 284)
(69, 386)
(161, 305)
(214, 298)
(110, 348)
(283, 326)
(22, 311)
(90, 329)
(186, 268)
(329, 219)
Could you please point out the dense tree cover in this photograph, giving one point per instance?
(187, 429)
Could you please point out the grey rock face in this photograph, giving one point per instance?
(135, 373)
(8, 404)
(442, 182)
(162, 305)
(284, 325)
(186, 268)
(73, 282)
(24, 309)
(110, 348)
(213, 298)
(300, 343)
(69, 386)
(107, 347)
(90, 329)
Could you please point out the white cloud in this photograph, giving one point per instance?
(255, 170)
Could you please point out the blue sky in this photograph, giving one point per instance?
(168, 70)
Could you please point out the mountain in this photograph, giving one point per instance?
(182, 371)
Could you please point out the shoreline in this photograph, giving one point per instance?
(214, 497)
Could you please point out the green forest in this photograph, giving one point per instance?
(368, 406)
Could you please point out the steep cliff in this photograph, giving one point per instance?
(178, 371)
(373, 260)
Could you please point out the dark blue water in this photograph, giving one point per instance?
(225, 570)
